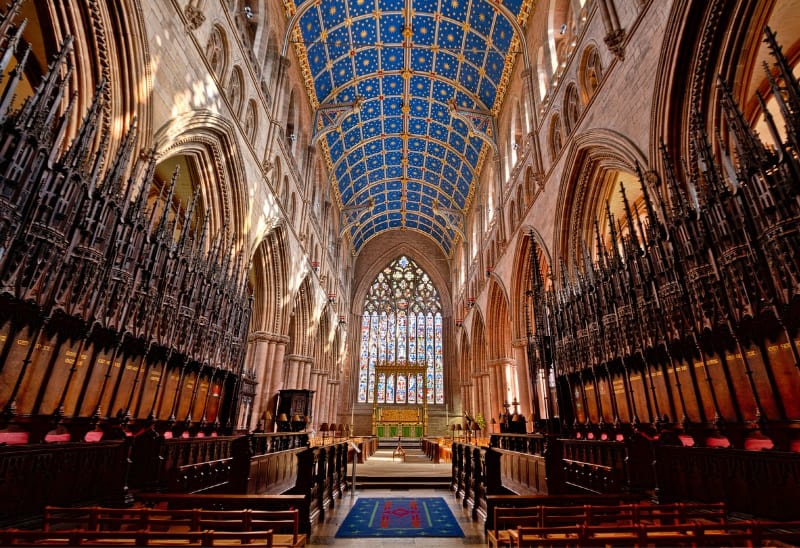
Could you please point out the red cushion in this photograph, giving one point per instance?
(14, 438)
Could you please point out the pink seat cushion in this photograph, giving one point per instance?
(758, 443)
(14, 438)
(94, 435)
(57, 438)
(718, 442)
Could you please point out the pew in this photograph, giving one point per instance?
(742, 533)
(82, 537)
(494, 501)
(284, 523)
(301, 503)
(506, 519)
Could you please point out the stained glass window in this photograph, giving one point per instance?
(402, 321)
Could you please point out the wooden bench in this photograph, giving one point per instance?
(545, 536)
(284, 523)
(82, 537)
(506, 519)
(510, 501)
(301, 503)
(743, 533)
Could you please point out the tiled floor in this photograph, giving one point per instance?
(381, 465)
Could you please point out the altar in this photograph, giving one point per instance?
(397, 421)
(399, 399)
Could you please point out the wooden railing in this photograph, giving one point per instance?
(760, 483)
(33, 476)
(266, 463)
(69, 474)
(437, 450)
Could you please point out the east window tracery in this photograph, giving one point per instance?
(401, 323)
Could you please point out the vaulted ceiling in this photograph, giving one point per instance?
(405, 93)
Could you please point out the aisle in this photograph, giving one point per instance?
(417, 465)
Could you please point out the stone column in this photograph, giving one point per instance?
(278, 374)
(523, 378)
(258, 348)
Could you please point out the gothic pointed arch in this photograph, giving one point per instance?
(483, 396)
(108, 44)
(301, 321)
(464, 370)
(595, 162)
(521, 280)
(498, 316)
(269, 281)
(208, 143)
(402, 323)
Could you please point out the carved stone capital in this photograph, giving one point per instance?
(615, 40)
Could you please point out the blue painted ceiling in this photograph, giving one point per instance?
(403, 62)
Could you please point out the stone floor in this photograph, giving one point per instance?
(381, 465)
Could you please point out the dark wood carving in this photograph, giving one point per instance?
(118, 309)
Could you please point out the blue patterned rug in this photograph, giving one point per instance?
(400, 517)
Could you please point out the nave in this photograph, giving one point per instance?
(552, 241)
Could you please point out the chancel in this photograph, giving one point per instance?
(528, 260)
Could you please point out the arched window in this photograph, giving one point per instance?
(556, 139)
(572, 108)
(235, 90)
(215, 52)
(251, 120)
(401, 323)
(591, 73)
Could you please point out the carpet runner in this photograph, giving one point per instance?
(400, 517)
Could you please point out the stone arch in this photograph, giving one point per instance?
(521, 313)
(235, 90)
(521, 277)
(497, 315)
(590, 71)
(482, 394)
(251, 120)
(556, 136)
(109, 44)
(301, 319)
(572, 107)
(592, 157)
(217, 50)
(530, 183)
(465, 370)
(209, 140)
(269, 278)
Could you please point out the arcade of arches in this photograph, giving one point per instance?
(574, 219)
